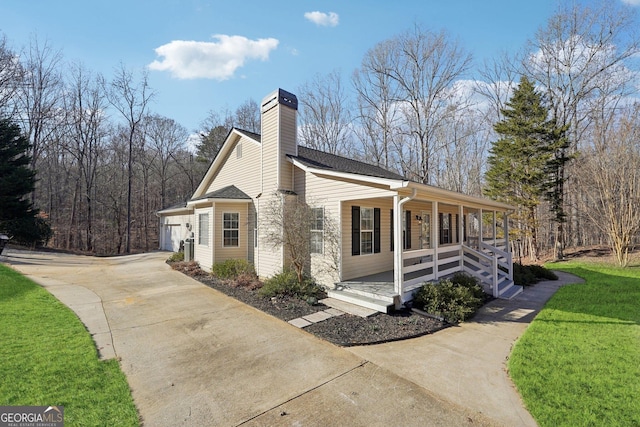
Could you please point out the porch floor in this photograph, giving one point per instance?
(379, 284)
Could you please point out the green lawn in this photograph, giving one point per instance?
(578, 363)
(47, 357)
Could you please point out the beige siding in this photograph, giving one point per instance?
(363, 265)
(287, 146)
(330, 193)
(269, 260)
(237, 171)
(222, 253)
(203, 254)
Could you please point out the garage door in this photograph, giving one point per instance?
(172, 237)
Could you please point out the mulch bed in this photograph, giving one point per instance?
(345, 330)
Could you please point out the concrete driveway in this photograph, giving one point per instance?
(196, 357)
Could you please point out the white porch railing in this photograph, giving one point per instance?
(491, 265)
(417, 263)
(420, 266)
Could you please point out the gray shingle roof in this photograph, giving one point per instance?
(229, 192)
(321, 160)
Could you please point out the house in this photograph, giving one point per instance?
(395, 234)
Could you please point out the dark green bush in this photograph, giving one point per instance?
(454, 302)
(286, 284)
(232, 268)
(526, 275)
(471, 283)
(176, 257)
(522, 275)
(542, 272)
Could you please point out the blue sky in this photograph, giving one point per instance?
(209, 55)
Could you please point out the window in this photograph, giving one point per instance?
(449, 225)
(365, 230)
(317, 231)
(203, 229)
(230, 229)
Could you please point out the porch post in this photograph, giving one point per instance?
(480, 217)
(398, 275)
(435, 233)
(461, 234)
(507, 244)
(493, 225)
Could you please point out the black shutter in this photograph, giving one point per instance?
(391, 229)
(355, 230)
(376, 230)
(440, 229)
(450, 239)
(457, 228)
(408, 234)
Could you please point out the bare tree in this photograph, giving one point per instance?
(611, 170)
(131, 99)
(378, 117)
(581, 55)
(166, 138)
(247, 116)
(86, 103)
(325, 119)
(39, 96)
(425, 65)
(10, 76)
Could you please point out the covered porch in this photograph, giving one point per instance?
(456, 233)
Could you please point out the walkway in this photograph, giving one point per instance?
(195, 357)
(467, 364)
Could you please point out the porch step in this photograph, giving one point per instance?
(511, 291)
(360, 300)
(369, 290)
(348, 308)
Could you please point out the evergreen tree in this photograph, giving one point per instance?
(523, 161)
(17, 181)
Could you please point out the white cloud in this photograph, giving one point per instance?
(217, 60)
(632, 2)
(330, 19)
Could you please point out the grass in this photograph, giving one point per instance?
(578, 363)
(47, 357)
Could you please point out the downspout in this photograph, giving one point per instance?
(398, 278)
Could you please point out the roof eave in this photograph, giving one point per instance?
(453, 195)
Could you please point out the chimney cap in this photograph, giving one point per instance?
(279, 96)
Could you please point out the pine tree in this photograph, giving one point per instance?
(17, 181)
(523, 161)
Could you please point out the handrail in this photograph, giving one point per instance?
(494, 266)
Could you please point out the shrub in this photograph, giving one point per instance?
(232, 269)
(286, 284)
(246, 280)
(542, 272)
(472, 283)
(526, 275)
(453, 301)
(190, 268)
(176, 257)
(522, 275)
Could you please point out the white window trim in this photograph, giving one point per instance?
(224, 245)
(203, 238)
(370, 231)
(320, 231)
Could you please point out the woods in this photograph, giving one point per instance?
(417, 105)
